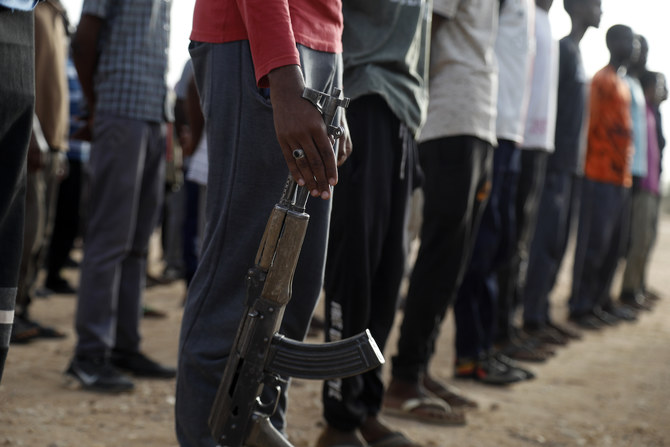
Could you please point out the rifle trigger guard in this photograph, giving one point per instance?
(267, 409)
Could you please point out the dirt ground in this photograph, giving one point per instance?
(610, 389)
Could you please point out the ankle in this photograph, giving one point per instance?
(403, 388)
(373, 429)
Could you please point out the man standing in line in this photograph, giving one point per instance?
(252, 61)
(368, 241)
(17, 91)
(646, 199)
(46, 165)
(456, 155)
(120, 52)
(631, 295)
(604, 212)
(538, 144)
(475, 308)
(555, 212)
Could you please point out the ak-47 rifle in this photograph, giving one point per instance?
(261, 356)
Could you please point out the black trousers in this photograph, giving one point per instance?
(17, 90)
(66, 225)
(512, 274)
(367, 249)
(457, 178)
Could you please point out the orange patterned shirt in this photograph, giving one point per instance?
(610, 144)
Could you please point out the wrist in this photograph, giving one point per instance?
(286, 79)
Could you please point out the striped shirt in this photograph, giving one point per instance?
(130, 79)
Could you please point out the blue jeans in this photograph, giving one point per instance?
(16, 119)
(603, 225)
(475, 309)
(554, 221)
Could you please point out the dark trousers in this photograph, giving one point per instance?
(555, 219)
(190, 243)
(41, 199)
(34, 230)
(126, 188)
(512, 274)
(16, 118)
(476, 304)
(246, 176)
(367, 249)
(604, 217)
(457, 177)
(67, 220)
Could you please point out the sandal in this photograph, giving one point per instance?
(427, 409)
(447, 393)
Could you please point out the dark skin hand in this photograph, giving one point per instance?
(195, 119)
(35, 155)
(346, 147)
(298, 124)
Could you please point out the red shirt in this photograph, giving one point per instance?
(272, 27)
(610, 133)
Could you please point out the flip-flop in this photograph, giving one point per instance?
(408, 410)
(450, 395)
(395, 439)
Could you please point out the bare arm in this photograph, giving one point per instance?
(85, 54)
(194, 116)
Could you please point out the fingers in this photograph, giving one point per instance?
(346, 147)
(308, 166)
(299, 125)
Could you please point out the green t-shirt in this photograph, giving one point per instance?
(386, 44)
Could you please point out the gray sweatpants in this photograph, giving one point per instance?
(125, 193)
(246, 175)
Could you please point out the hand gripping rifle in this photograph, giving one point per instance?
(260, 355)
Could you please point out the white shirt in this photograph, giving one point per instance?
(514, 48)
(541, 118)
(463, 79)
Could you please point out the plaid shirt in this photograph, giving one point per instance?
(130, 79)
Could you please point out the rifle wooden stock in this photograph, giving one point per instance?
(263, 434)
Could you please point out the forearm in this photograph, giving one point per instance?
(85, 55)
(194, 115)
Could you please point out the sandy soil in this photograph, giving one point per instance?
(610, 389)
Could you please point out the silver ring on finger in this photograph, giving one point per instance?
(298, 153)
